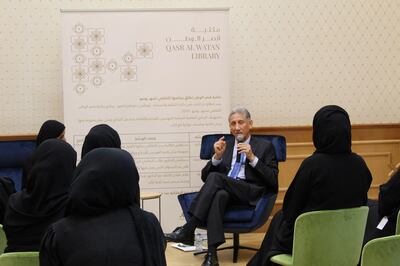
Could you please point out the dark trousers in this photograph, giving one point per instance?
(214, 196)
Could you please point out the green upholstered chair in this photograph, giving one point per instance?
(3, 240)
(384, 251)
(398, 224)
(327, 238)
(20, 259)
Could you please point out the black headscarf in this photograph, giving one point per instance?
(43, 201)
(100, 136)
(51, 129)
(48, 182)
(105, 180)
(7, 188)
(331, 178)
(332, 130)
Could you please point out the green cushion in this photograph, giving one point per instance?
(283, 259)
(383, 251)
(20, 259)
(398, 224)
(3, 240)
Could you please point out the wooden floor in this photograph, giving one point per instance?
(177, 257)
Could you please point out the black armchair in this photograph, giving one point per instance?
(238, 219)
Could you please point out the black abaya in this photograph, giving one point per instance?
(7, 188)
(30, 211)
(51, 129)
(387, 206)
(332, 178)
(104, 224)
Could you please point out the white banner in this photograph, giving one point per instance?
(160, 78)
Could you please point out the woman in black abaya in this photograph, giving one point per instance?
(100, 136)
(30, 211)
(386, 208)
(7, 188)
(51, 129)
(104, 224)
(333, 177)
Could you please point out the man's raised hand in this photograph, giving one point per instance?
(219, 148)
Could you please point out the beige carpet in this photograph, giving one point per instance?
(177, 257)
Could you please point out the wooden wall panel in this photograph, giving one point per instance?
(359, 132)
(380, 156)
(18, 137)
(379, 145)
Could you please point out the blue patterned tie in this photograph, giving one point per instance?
(236, 167)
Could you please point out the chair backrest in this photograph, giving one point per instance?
(13, 155)
(207, 145)
(3, 240)
(384, 251)
(20, 259)
(329, 237)
(398, 224)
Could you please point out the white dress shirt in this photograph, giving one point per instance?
(241, 174)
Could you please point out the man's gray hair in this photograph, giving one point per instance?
(240, 110)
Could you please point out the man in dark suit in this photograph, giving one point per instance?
(240, 171)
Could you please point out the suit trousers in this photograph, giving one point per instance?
(214, 196)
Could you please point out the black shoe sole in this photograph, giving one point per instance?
(186, 242)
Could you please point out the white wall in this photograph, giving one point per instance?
(288, 58)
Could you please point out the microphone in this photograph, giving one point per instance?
(239, 138)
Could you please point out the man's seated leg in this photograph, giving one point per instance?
(199, 210)
(184, 234)
(201, 205)
(215, 231)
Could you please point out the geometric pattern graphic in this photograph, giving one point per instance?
(90, 67)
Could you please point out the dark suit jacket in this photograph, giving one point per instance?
(265, 174)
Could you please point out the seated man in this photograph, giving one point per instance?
(240, 172)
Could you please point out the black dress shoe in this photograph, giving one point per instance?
(180, 235)
(210, 259)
